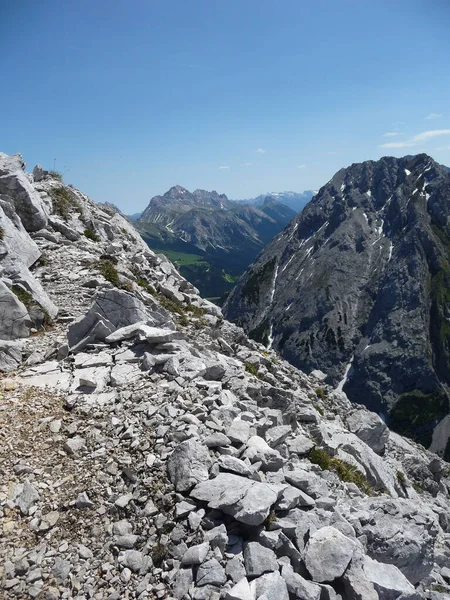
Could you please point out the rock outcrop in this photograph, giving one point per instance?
(357, 286)
(163, 454)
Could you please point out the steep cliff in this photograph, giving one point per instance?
(358, 286)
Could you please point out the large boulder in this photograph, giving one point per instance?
(370, 428)
(16, 246)
(247, 501)
(188, 464)
(39, 173)
(328, 554)
(10, 355)
(27, 202)
(14, 318)
(18, 252)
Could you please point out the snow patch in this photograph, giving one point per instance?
(274, 281)
(391, 247)
(288, 307)
(301, 271)
(270, 338)
(343, 381)
(286, 265)
(369, 193)
(342, 186)
(407, 172)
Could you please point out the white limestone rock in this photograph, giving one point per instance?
(327, 554)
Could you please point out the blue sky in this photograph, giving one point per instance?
(242, 96)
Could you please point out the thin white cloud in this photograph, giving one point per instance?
(223, 167)
(247, 164)
(301, 167)
(443, 148)
(391, 134)
(261, 151)
(417, 139)
(433, 116)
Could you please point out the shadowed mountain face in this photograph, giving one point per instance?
(358, 286)
(211, 238)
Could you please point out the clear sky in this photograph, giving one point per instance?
(242, 96)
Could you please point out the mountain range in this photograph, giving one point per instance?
(295, 200)
(357, 285)
(211, 238)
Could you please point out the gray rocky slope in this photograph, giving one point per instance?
(357, 286)
(149, 449)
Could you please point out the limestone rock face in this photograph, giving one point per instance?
(354, 286)
(27, 201)
(14, 319)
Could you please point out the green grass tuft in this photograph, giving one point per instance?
(345, 471)
(109, 271)
(64, 202)
(56, 175)
(251, 369)
(320, 393)
(91, 235)
(25, 297)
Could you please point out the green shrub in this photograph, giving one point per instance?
(401, 478)
(321, 457)
(25, 297)
(29, 302)
(415, 412)
(251, 369)
(172, 306)
(437, 587)
(43, 260)
(320, 393)
(91, 235)
(56, 175)
(146, 286)
(195, 310)
(109, 271)
(345, 471)
(63, 202)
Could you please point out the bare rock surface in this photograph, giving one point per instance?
(155, 464)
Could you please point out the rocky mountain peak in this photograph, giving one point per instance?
(176, 191)
(150, 449)
(355, 286)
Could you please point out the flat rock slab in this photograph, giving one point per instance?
(247, 501)
(153, 335)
